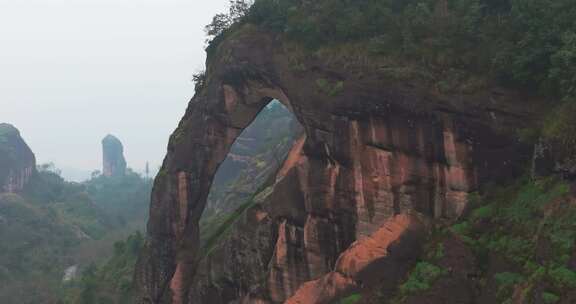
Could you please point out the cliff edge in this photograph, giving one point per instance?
(381, 160)
(17, 162)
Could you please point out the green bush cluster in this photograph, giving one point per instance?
(125, 196)
(563, 277)
(421, 278)
(550, 298)
(329, 88)
(507, 280)
(351, 299)
(424, 274)
(34, 240)
(514, 222)
(110, 282)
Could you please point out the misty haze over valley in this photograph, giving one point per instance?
(288, 152)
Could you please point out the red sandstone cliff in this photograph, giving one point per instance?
(17, 162)
(350, 206)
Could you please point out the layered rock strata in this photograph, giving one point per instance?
(377, 154)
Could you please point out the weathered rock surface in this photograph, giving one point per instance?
(113, 162)
(17, 162)
(376, 154)
(393, 247)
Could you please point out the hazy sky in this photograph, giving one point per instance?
(72, 71)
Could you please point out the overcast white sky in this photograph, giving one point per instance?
(72, 71)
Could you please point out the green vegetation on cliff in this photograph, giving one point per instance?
(529, 44)
(522, 240)
(531, 225)
(420, 279)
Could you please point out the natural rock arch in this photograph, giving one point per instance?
(374, 148)
(249, 167)
(189, 184)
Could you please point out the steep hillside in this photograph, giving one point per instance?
(515, 245)
(49, 225)
(407, 122)
(109, 281)
(33, 251)
(40, 229)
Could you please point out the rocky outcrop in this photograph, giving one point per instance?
(17, 162)
(113, 162)
(377, 155)
(393, 247)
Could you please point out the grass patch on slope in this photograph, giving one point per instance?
(532, 226)
(351, 299)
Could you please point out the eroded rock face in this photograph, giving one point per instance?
(393, 247)
(17, 162)
(376, 155)
(113, 162)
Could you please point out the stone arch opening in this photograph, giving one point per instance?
(250, 165)
(212, 124)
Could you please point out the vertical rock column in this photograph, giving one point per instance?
(113, 162)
